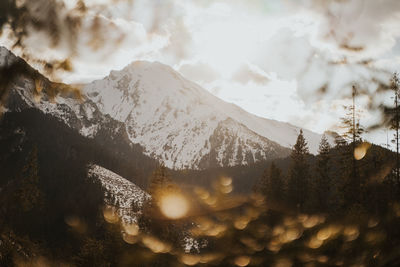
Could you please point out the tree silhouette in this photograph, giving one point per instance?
(271, 184)
(322, 183)
(298, 184)
(351, 121)
(353, 131)
(395, 122)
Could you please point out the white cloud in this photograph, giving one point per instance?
(358, 24)
(270, 57)
(199, 72)
(247, 73)
(124, 42)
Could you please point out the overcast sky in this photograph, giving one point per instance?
(269, 57)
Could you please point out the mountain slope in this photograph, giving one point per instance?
(174, 120)
(120, 193)
(180, 123)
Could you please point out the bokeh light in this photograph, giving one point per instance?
(361, 150)
(173, 205)
(110, 214)
(242, 261)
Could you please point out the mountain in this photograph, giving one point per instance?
(174, 120)
(183, 125)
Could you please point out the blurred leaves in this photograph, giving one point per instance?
(53, 23)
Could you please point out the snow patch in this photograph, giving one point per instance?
(121, 193)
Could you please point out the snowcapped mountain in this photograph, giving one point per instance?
(183, 125)
(175, 121)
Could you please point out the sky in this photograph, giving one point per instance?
(272, 58)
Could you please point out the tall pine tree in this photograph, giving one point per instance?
(271, 184)
(298, 184)
(395, 122)
(351, 182)
(322, 184)
(350, 123)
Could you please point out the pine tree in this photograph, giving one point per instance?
(395, 122)
(322, 184)
(272, 185)
(340, 141)
(351, 122)
(298, 184)
(351, 186)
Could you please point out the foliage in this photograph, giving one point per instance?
(235, 228)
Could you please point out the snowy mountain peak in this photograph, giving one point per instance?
(185, 126)
(173, 119)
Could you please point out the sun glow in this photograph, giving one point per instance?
(173, 205)
(226, 44)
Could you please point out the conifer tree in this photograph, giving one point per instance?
(298, 184)
(351, 186)
(351, 122)
(322, 184)
(340, 141)
(395, 122)
(272, 185)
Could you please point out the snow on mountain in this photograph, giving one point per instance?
(173, 119)
(6, 57)
(129, 199)
(32, 90)
(121, 193)
(181, 124)
(80, 115)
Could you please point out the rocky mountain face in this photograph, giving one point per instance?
(174, 120)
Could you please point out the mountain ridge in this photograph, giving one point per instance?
(181, 107)
(175, 120)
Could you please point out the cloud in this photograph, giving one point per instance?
(276, 99)
(284, 53)
(199, 72)
(334, 80)
(179, 42)
(246, 74)
(357, 28)
(273, 58)
(126, 41)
